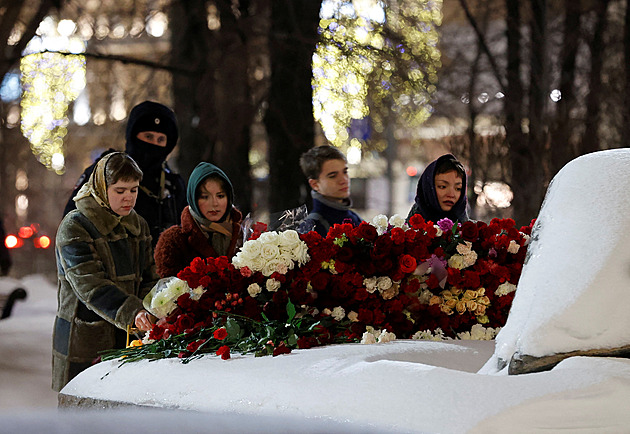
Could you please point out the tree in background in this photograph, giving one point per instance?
(557, 70)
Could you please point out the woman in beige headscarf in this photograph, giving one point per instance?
(105, 268)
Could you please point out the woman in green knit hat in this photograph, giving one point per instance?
(210, 224)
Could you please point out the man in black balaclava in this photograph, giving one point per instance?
(151, 136)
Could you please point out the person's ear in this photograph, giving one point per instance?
(314, 184)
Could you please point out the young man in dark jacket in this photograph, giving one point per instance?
(151, 136)
(326, 169)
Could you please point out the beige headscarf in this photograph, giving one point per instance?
(96, 186)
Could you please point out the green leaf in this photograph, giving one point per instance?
(290, 311)
(233, 328)
(292, 339)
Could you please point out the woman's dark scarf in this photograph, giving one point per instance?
(426, 202)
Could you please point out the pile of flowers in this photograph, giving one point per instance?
(375, 282)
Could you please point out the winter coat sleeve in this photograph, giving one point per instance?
(171, 252)
(83, 262)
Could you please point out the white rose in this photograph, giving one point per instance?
(273, 285)
(287, 259)
(470, 259)
(368, 338)
(385, 337)
(464, 249)
(397, 221)
(300, 253)
(383, 283)
(288, 238)
(271, 267)
(269, 251)
(257, 264)
(505, 288)
(252, 247)
(456, 261)
(268, 238)
(370, 284)
(380, 223)
(338, 313)
(353, 316)
(439, 231)
(327, 311)
(254, 289)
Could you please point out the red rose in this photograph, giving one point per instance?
(197, 265)
(220, 334)
(194, 346)
(407, 263)
(184, 322)
(224, 352)
(470, 232)
(417, 221)
(366, 231)
(397, 235)
(306, 342)
(281, 349)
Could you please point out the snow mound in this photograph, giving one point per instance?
(574, 291)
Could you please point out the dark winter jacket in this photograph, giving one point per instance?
(162, 195)
(326, 213)
(426, 203)
(105, 268)
(179, 245)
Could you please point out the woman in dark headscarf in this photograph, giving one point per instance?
(442, 191)
(211, 225)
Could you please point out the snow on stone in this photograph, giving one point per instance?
(575, 287)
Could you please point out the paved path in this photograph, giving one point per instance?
(25, 348)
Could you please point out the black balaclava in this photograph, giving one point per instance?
(427, 203)
(150, 116)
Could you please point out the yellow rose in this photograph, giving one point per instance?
(460, 307)
(481, 311)
(447, 310)
(470, 294)
(435, 300)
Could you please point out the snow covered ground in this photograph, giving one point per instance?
(572, 298)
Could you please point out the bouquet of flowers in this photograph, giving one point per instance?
(286, 290)
(161, 301)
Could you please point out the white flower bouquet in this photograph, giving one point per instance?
(273, 252)
(161, 301)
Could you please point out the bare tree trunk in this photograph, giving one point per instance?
(214, 106)
(590, 141)
(626, 51)
(562, 147)
(289, 118)
(519, 152)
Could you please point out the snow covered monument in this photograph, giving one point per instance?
(570, 305)
(574, 292)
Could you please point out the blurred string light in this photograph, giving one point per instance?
(360, 71)
(50, 82)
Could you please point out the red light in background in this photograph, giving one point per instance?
(26, 232)
(13, 242)
(42, 242)
(412, 171)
